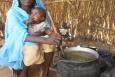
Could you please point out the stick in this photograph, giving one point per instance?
(52, 23)
(54, 28)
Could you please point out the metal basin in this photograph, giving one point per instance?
(75, 68)
(80, 54)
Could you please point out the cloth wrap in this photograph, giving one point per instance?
(11, 54)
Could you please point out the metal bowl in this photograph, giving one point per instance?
(77, 49)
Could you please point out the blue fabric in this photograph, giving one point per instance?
(11, 54)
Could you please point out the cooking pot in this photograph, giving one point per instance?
(72, 51)
(73, 68)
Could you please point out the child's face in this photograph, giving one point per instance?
(36, 16)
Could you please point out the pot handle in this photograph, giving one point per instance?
(90, 47)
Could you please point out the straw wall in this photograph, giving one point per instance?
(89, 19)
(4, 5)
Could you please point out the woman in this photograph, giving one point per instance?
(11, 54)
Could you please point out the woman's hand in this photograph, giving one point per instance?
(53, 41)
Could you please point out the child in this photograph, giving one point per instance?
(36, 22)
(34, 54)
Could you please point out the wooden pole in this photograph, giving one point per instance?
(52, 23)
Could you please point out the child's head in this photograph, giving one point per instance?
(37, 15)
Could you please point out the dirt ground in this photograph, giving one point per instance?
(92, 43)
(6, 72)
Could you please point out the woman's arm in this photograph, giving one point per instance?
(37, 33)
(43, 40)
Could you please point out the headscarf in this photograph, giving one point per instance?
(11, 54)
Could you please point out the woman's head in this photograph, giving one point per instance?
(27, 2)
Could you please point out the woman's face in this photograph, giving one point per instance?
(27, 2)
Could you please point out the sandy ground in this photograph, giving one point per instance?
(6, 72)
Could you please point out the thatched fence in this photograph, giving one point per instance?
(89, 19)
(4, 5)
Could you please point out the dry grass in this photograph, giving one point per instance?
(4, 5)
(90, 19)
